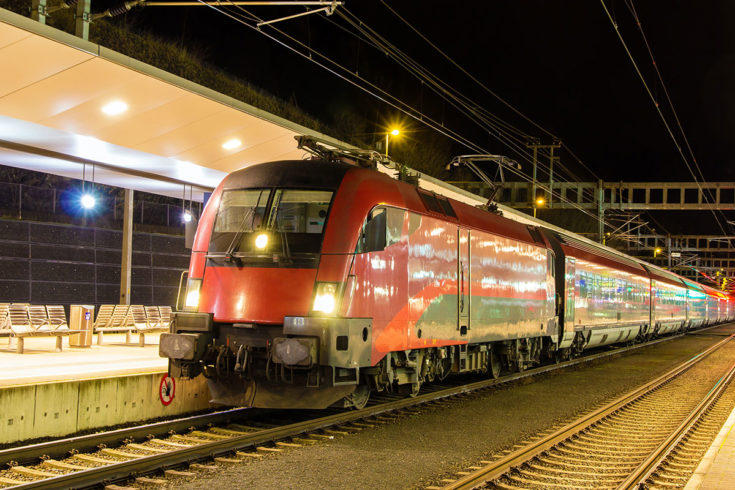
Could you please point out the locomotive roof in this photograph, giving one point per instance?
(329, 175)
(289, 173)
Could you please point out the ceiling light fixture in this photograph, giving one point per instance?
(114, 108)
(232, 144)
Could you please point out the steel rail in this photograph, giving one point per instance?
(516, 458)
(646, 469)
(60, 447)
(146, 464)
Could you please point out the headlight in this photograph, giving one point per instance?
(261, 241)
(325, 298)
(192, 293)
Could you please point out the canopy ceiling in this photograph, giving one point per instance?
(56, 87)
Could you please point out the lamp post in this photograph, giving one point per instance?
(537, 204)
(394, 132)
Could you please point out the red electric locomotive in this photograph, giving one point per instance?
(313, 283)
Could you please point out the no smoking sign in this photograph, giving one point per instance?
(167, 389)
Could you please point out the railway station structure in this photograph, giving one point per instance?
(79, 110)
(73, 108)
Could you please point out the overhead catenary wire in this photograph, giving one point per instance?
(384, 46)
(497, 127)
(371, 89)
(639, 24)
(521, 150)
(485, 87)
(660, 113)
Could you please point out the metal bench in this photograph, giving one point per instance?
(165, 316)
(5, 321)
(155, 322)
(34, 321)
(114, 318)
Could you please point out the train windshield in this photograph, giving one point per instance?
(287, 223)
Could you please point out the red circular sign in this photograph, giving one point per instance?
(167, 389)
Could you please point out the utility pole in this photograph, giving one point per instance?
(535, 146)
(600, 212)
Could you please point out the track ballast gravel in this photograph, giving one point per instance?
(419, 449)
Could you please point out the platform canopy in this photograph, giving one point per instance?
(68, 106)
(61, 101)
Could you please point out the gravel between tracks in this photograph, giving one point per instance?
(419, 449)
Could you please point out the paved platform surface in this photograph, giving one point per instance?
(40, 363)
(717, 469)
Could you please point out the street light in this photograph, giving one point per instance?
(88, 201)
(539, 202)
(394, 132)
(657, 251)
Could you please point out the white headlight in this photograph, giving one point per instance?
(192, 293)
(325, 299)
(261, 241)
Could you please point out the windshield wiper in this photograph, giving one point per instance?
(235, 243)
(284, 246)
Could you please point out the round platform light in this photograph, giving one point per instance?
(115, 107)
(88, 201)
(232, 144)
(187, 217)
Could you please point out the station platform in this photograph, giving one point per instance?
(40, 363)
(44, 393)
(716, 471)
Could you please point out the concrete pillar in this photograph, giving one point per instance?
(81, 19)
(127, 248)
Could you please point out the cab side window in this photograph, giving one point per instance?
(381, 229)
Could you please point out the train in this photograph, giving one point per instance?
(314, 283)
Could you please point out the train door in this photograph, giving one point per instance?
(566, 332)
(464, 292)
(653, 302)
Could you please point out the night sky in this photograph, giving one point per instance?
(560, 63)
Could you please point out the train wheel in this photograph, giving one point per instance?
(358, 398)
(494, 364)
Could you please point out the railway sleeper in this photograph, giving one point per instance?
(569, 478)
(666, 484)
(617, 441)
(600, 474)
(581, 463)
(600, 450)
(612, 455)
(34, 473)
(63, 465)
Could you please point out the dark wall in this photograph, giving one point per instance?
(44, 263)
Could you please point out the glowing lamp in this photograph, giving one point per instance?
(325, 299)
(232, 144)
(88, 201)
(192, 293)
(395, 132)
(540, 201)
(187, 217)
(114, 108)
(261, 241)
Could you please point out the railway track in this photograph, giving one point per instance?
(181, 447)
(652, 437)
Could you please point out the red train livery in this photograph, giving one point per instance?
(314, 283)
